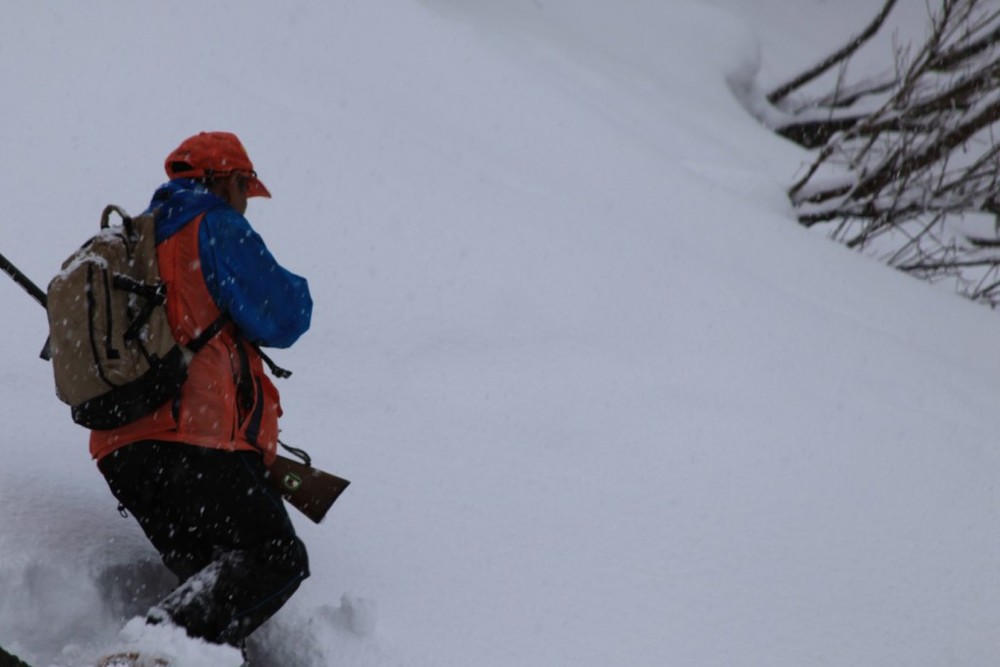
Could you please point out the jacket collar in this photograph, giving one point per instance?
(178, 202)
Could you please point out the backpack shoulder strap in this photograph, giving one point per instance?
(210, 332)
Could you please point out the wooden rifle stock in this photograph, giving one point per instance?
(309, 490)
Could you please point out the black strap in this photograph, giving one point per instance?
(249, 391)
(301, 453)
(257, 416)
(154, 295)
(245, 393)
(201, 340)
(276, 370)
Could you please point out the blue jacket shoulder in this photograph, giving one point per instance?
(271, 305)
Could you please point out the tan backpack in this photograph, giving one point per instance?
(114, 356)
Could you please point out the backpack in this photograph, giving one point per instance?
(114, 356)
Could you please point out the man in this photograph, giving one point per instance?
(192, 472)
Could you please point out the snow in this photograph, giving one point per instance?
(162, 645)
(601, 400)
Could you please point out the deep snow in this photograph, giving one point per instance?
(602, 401)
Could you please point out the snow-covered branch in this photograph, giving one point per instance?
(907, 164)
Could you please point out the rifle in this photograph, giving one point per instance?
(310, 490)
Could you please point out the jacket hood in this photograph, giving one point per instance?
(179, 202)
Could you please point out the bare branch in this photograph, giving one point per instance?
(915, 180)
(782, 92)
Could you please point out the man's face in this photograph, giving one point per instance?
(236, 191)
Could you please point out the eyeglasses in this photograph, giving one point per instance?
(243, 179)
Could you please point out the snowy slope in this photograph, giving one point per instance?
(602, 401)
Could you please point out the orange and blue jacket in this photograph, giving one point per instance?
(213, 264)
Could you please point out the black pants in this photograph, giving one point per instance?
(218, 526)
